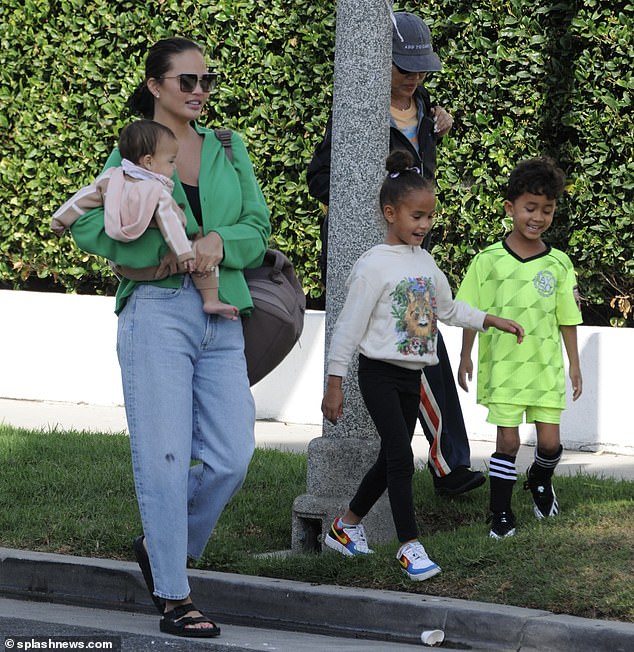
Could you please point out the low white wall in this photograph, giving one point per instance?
(61, 347)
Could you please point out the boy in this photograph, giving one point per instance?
(529, 281)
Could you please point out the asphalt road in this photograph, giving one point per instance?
(39, 623)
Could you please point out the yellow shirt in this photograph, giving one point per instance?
(407, 122)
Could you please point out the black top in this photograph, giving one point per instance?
(193, 197)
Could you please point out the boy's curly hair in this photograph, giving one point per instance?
(537, 176)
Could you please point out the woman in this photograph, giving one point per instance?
(416, 124)
(184, 375)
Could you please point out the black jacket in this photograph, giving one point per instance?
(318, 174)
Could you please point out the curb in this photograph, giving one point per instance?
(298, 606)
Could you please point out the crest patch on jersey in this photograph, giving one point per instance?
(544, 283)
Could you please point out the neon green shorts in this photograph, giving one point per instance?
(508, 415)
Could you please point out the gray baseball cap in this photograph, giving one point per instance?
(411, 44)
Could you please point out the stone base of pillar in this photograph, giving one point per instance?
(335, 469)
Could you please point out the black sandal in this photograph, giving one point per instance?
(178, 623)
(144, 564)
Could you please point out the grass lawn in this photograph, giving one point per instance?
(72, 493)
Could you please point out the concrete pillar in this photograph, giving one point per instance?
(361, 96)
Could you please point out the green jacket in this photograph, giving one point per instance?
(232, 205)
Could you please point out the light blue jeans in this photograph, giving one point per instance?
(187, 397)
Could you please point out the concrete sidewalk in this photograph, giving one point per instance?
(292, 437)
(78, 595)
(138, 632)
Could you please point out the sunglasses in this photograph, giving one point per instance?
(189, 80)
(409, 72)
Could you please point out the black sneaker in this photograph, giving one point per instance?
(502, 525)
(544, 498)
(459, 481)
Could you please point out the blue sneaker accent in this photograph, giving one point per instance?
(415, 563)
(349, 540)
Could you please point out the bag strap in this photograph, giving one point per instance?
(224, 136)
(276, 259)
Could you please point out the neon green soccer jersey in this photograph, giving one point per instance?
(538, 293)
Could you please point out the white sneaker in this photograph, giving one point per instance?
(414, 561)
(349, 540)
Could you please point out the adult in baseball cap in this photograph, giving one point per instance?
(412, 50)
(418, 124)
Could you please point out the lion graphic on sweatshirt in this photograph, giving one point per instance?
(414, 312)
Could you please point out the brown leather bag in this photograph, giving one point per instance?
(277, 320)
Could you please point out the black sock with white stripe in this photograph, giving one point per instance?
(544, 465)
(502, 478)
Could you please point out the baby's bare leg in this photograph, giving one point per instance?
(207, 285)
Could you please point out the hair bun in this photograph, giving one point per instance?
(398, 161)
(141, 102)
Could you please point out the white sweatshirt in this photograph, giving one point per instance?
(396, 294)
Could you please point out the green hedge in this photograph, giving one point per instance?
(525, 79)
(520, 78)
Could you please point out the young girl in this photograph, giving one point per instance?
(137, 195)
(396, 294)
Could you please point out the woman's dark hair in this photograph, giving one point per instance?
(402, 178)
(157, 63)
(537, 176)
(140, 138)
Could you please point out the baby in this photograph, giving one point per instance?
(137, 195)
